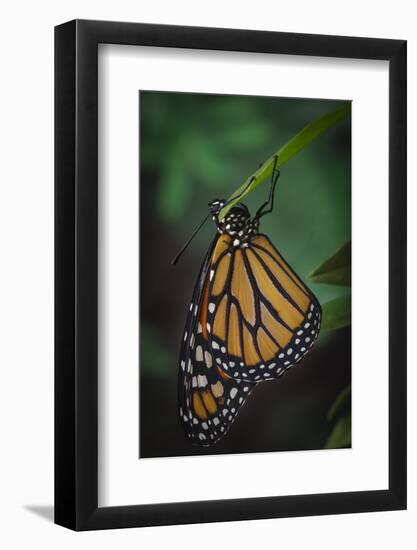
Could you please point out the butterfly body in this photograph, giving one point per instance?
(251, 319)
(237, 223)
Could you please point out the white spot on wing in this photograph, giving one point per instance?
(199, 353)
(217, 389)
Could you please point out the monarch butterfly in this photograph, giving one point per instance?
(251, 318)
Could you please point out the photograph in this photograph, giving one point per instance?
(245, 274)
(208, 234)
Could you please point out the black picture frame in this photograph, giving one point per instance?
(76, 272)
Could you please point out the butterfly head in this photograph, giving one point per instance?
(238, 210)
(215, 206)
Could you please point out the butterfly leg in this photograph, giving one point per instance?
(268, 205)
(237, 197)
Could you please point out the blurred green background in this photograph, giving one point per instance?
(195, 148)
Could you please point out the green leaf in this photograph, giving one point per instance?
(340, 403)
(336, 270)
(340, 437)
(290, 149)
(336, 313)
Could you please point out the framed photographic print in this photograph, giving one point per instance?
(230, 275)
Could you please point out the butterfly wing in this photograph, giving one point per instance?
(209, 399)
(263, 319)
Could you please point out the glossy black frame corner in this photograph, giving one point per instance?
(76, 269)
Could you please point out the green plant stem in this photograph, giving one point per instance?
(289, 150)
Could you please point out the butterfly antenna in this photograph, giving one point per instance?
(184, 248)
